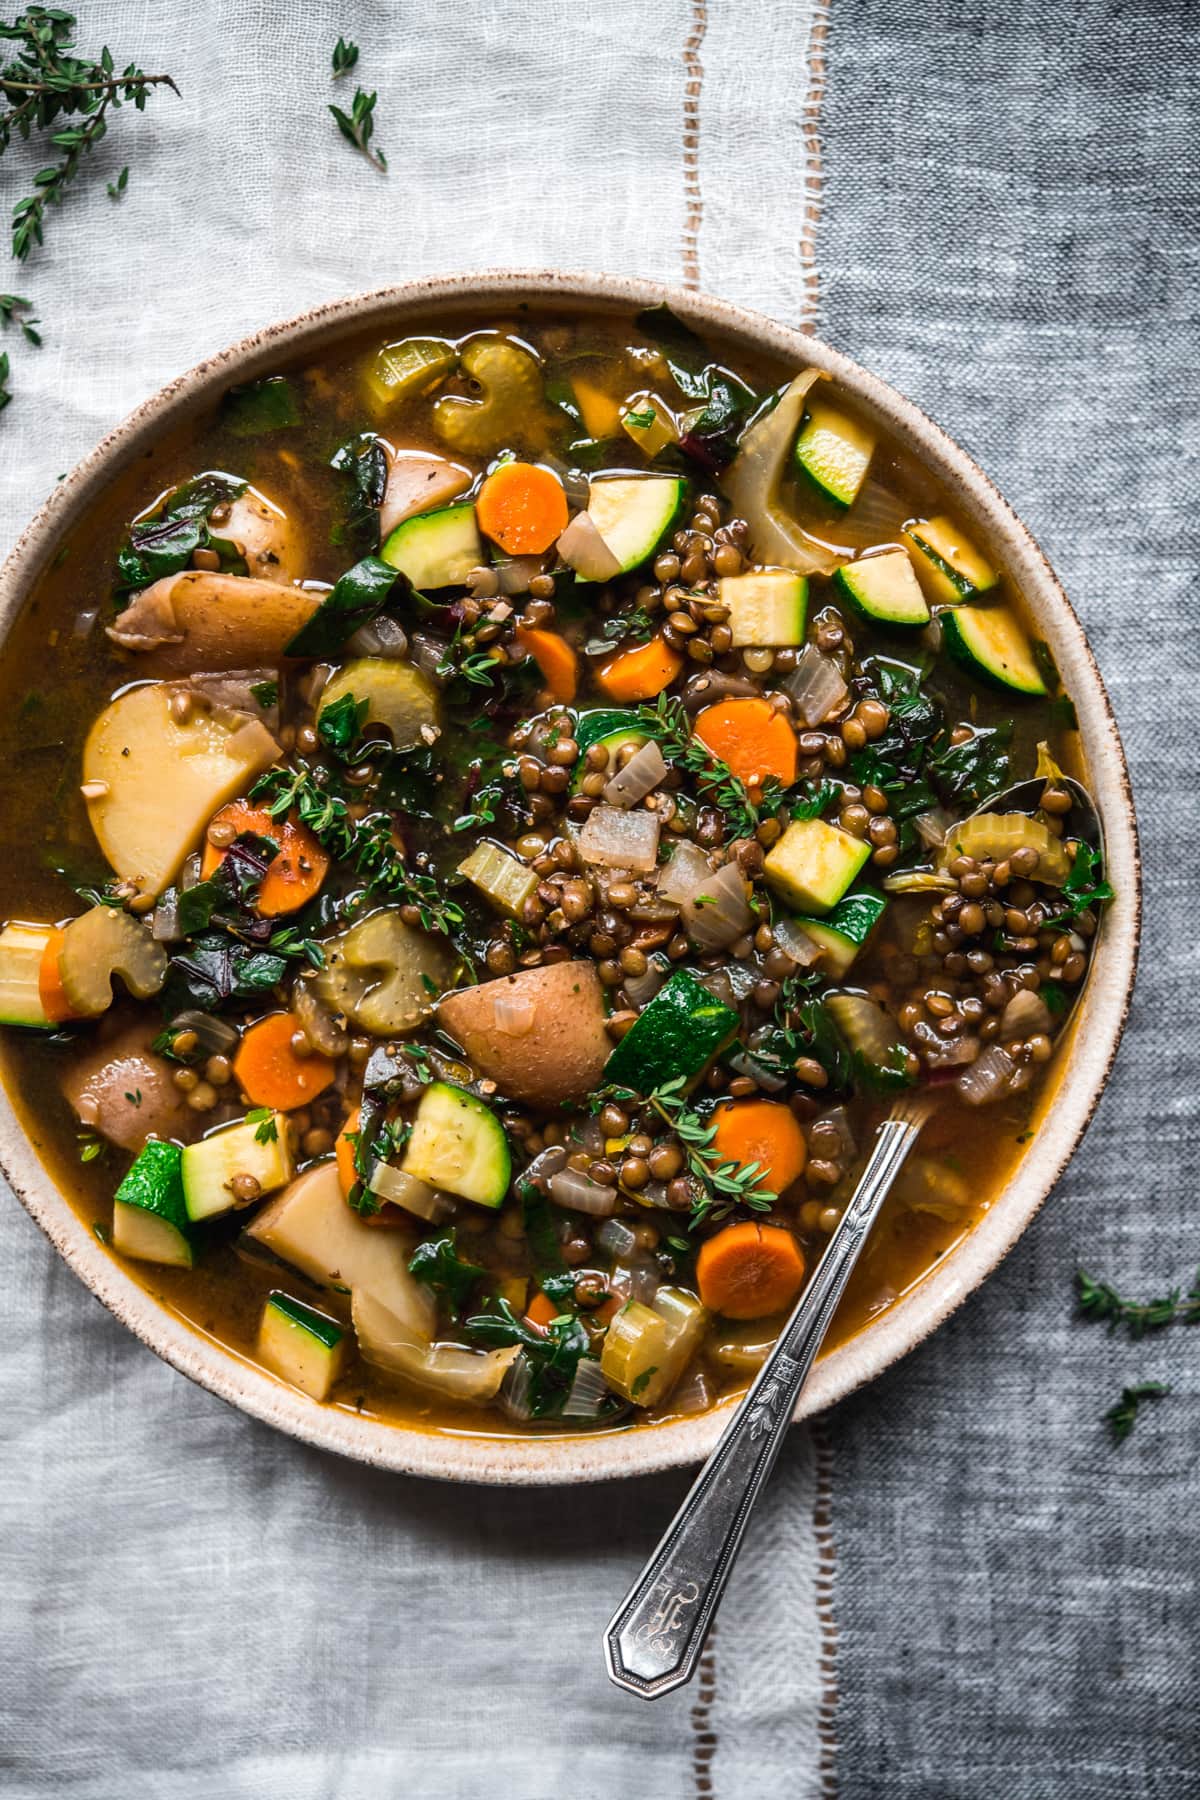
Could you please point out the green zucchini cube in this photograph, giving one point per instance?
(813, 864)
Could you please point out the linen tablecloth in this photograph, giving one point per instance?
(998, 214)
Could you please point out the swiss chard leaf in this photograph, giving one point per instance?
(1084, 887)
(437, 1263)
(721, 401)
(551, 1357)
(356, 598)
(163, 544)
(229, 895)
(363, 462)
(340, 725)
(971, 771)
(215, 969)
(260, 406)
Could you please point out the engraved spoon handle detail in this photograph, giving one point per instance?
(655, 1638)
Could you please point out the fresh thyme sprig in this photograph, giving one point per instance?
(15, 311)
(667, 721)
(724, 1185)
(1101, 1302)
(345, 55)
(1121, 1416)
(358, 127)
(116, 189)
(44, 83)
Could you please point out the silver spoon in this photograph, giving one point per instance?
(655, 1637)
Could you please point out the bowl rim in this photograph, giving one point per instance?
(564, 1458)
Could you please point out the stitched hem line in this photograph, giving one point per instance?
(814, 186)
(693, 70)
(704, 1737)
(826, 1613)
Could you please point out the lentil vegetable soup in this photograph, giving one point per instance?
(503, 812)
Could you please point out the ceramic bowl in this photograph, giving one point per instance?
(1083, 1068)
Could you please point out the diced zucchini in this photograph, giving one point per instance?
(311, 1227)
(813, 864)
(256, 1147)
(409, 369)
(834, 452)
(842, 935)
(647, 1348)
(648, 421)
(398, 696)
(872, 1037)
(680, 1032)
(22, 948)
(766, 607)
(150, 1221)
(307, 1348)
(501, 877)
(437, 549)
(458, 1144)
(884, 588)
(948, 565)
(634, 513)
(990, 642)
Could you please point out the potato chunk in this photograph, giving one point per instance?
(152, 782)
(539, 1035)
(198, 620)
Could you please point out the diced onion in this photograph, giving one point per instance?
(640, 776)
(514, 1014)
(625, 840)
(718, 912)
(795, 942)
(582, 546)
(213, 1035)
(641, 989)
(636, 1279)
(816, 687)
(617, 1238)
(695, 1394)
(588, 1390)
(164, 920)
(917, 881)
(931, 827)
(515, 1397)
(579, 1193)
(84, 621)
(945, 1053)
(379, 637)
(1025, 1015)
(839, 1119)
(405, 1190)
(988, 1079)
(515, 574)
(681, 877)
(746, 1063)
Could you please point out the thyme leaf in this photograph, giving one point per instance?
(358, 127)
(723, 1185)
(1121, 1417)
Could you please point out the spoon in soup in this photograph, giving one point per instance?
(654, 1639)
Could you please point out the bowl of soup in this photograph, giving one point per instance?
(500, 778)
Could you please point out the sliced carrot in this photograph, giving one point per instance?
(764, 1132)
(749, 1271)
(640, 674)
(541, 1310)
(344, 1152)
(522, 507)
(270, 1072)
(752, 738)
(607, 1311)
(293, 877)
(51, 992)
(554, 657)
(388, 1218)
(600, 412)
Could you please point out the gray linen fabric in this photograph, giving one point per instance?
(1010, 236)
(191, 1605)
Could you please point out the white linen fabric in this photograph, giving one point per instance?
(192, 1605)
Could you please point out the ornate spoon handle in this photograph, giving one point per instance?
(654, 1639)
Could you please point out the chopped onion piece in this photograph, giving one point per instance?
(796, 943)
(752, 484)
(636, 1278)
(164, 920)
(582, 546)
(380, 636)
(746, 1063)
(1025, 1015)
(514, 1014)
(945, 1053)
(579, 1193)
(588, 1390)
(988, 1079)
(84, 621)
(625, 840)
(404, 1190)
(213, 1035)
(640, 776)
(931, 827)
(515, 574)
(641, 989)
(681, 877)
(917, 881)
(617, 1238)
(816, 687)
(718, 911)
(839, 1119)
(696, 1393)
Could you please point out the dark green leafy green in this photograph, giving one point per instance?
(971, 771)
(1085, 886)
(356, 598)
(551, 1356)
(163, 542)
(340, 725)
(229, 895)
(260, 406)
(437, 1263)
(216, 969)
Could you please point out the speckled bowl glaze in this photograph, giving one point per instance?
(1083, 1068)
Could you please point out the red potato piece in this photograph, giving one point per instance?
(104, 1083)
(417, 482)
(270, 541)
(548, 1046)
(208, 621)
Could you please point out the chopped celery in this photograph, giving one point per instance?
(995, 837)
(406, 370)
(647, 1348)
(502, 877)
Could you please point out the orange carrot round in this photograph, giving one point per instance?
(270, 1072)
(522, 507)
(764, 1132)
(293, 877)
(642, 673)
(554, 657)
(51, 992)
(749, 735)
(749, 1271)
(344, 1152)
(541, 1310)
